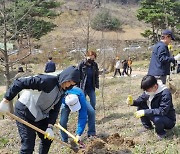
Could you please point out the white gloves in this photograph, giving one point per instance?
(4, 106)
(77, 139)
(49, 134)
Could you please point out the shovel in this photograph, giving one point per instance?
(36, 128)
(81, 145)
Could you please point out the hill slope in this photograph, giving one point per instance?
(72, 26)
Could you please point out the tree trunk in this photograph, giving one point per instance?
(7, 74)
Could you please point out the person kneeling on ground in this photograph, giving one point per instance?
(74, 101)
(154, 105)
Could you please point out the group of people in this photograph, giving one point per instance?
(155, 104)
(42, 97)
(126, 65)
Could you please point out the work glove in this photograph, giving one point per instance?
(77, 139)
(139, 114)
(49, 134)
(129, 100)
(4, 106)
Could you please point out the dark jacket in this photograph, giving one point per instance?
(42, 94)
(161, 105)
(50, 67)
(83, 74)
(160, 60)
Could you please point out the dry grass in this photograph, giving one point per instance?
(118, 118)
(70, 26)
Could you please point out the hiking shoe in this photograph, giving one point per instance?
(161, 137)
(92, 137)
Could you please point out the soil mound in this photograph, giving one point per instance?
(118, 140)
(104, 146)
(94, 146)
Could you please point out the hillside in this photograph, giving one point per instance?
(72, 26)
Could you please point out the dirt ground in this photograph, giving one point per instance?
(2, 89)
(118, 131)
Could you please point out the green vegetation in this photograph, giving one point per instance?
(25, 15)
(160, 14)
(1, 96)
(104, 21)
(143, 64)
(3, 142)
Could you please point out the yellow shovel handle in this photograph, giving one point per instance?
(33, 127)
(63, 129)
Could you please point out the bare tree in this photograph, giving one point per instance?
(9, 35)
(85, 25)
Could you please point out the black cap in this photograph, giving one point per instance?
(168, 32)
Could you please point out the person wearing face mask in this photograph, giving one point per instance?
(89, 77)
(154, 106)
(161, 58)
(39, 104)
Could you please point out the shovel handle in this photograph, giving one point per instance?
(63, 129)
(34, 127)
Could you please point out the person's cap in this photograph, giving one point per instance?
(168, 32)
(73, 103)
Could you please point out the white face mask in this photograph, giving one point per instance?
(150, 93)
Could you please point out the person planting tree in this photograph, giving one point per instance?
(154, 106)
(39, 104)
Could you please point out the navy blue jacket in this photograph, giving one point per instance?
(50, 67)
(160, 60)
(161, 105)
(42, 93)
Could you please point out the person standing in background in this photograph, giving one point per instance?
(160, 60)
(129, 66)
(50, 66)
(117, 67)
(89, 76)
(125, 67)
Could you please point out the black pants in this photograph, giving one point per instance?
(27, 134)
(178, 68)
(129, 70)
(162, 78)
(125, 71)
(160, 122)
(117, 70)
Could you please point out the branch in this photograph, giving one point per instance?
(38, 2)
(16, 61)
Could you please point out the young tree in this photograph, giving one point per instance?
(20, 21)
(105, 21)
